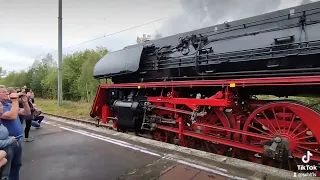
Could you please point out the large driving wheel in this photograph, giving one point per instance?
(295, 125)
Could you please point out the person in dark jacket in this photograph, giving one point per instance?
(32, 96)
(37, 112)
(28, 119)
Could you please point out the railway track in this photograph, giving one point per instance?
(93, 122)
(88, 121)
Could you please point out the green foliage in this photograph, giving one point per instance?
(2, 72)
(312, 102)
(42, 76)
(14, 79)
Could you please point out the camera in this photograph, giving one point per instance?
(26, 90)
(20, 94)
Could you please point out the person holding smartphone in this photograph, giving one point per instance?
(10, 119)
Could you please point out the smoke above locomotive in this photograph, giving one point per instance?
(215, 12)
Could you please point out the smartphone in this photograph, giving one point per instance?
(1, 110)
(18, 137)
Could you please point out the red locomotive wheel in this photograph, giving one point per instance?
(160, 135)
(295, 124)
(214, 118)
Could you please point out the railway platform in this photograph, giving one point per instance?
(58, 153)
(65, 151)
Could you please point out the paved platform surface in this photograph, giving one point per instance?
(185, 172)
(61, 154)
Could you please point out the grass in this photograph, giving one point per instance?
(313, 102)
(80, 109)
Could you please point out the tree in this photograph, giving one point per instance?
(38, 72)
(50, 84)
(42, 76)
(87, 85)
(15, 79)
(144, 38)
(2, 72)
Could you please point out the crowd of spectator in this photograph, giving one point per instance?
(17, 108)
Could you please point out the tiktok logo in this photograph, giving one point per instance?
(306, 158)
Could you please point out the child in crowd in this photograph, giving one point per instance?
(5, 142)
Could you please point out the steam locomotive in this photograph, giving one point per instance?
(200, 89)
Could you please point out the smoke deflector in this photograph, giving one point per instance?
(120, 62)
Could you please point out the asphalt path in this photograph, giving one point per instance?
(62, 153)
(57, 153)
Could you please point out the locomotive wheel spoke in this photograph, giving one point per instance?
(292, 119)
(214, 119)
(256, 120)
(310, 143)
(300, 151)
(276, 119)
(289, 121)
(301, 132)
(305, 137)
(259, 143)
(208, 146)
(269, 122)
(160, 135)
(308, 149)
(296, 128)
(262, 132)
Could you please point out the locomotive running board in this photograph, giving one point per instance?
(235, 168)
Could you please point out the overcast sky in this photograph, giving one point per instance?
(29, 28)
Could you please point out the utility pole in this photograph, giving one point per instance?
(60, 54)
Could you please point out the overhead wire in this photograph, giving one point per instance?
(131, 28)
(134, 27)
(106, 18)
